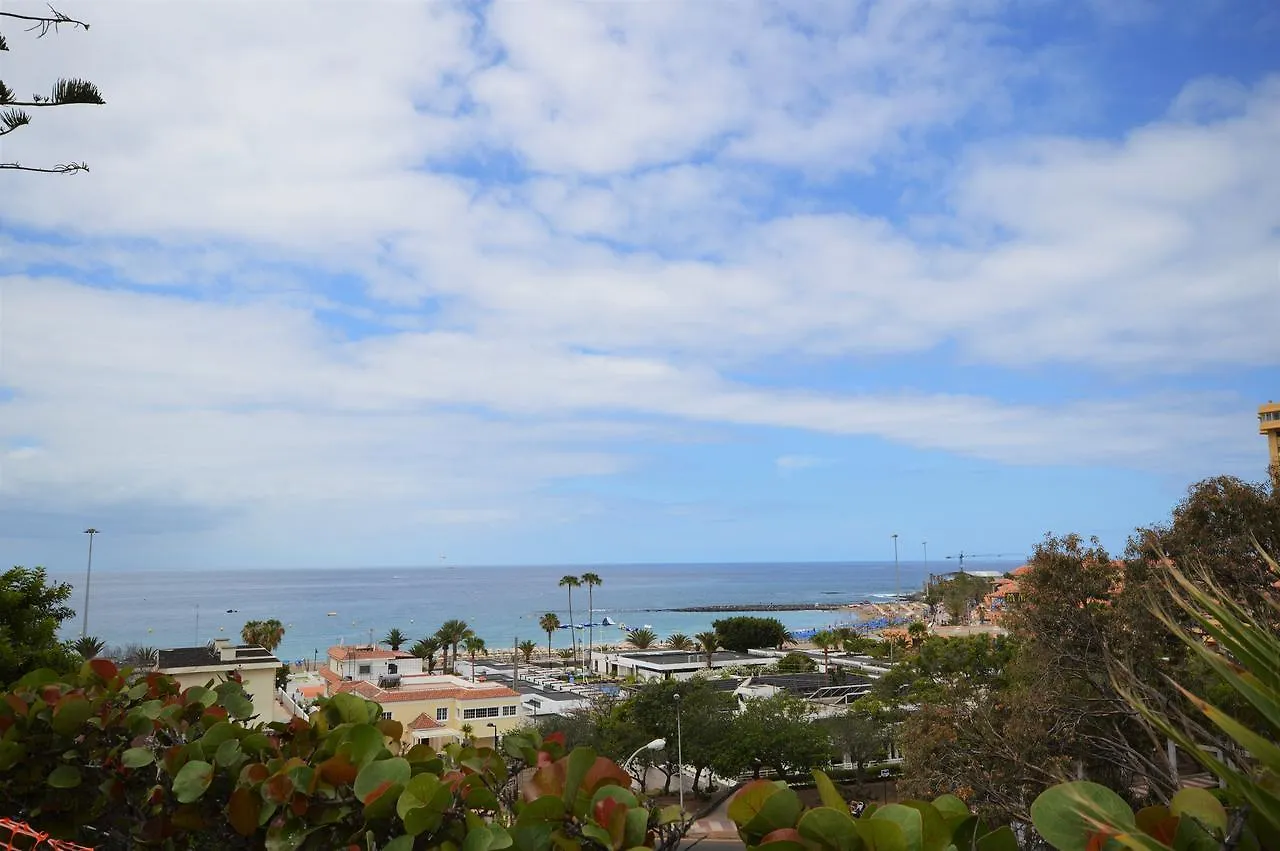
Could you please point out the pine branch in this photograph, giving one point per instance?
(64, 92)
(61, 168)
(44, 23)
(4, 45)
(12, 119)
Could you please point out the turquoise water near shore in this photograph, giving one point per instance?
(502, 604)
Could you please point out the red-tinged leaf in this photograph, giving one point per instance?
(214, 713)
(278, 789)
(104, 669)
(243, 810)
(605, 808)
(556, 738)
(17, 704)
(1098, 840)
(299, 804)
(602, 772)
(782, 834)
(339, 770)
(254, 773)
(51, 694)
(378, 792)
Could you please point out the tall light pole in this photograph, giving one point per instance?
(897, 586)
(679, 752)
(655, 745)
(88, 576)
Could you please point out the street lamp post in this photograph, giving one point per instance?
(897, 586)
(495, 734)
(679, 751)
(88, 577)
(655, 745)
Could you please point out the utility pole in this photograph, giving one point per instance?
(897, 585)
(88, 577)
(679, 752)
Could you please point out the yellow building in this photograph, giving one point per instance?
(434, 708)
(1269, 427)
(256, 667)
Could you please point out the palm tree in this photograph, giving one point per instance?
(679, 641)
(427, 648)
(136, 656)
(452, 633)
(395, 638)
(565, 655)
(918, 630)
(572, 582)
(266, 634)
(549, 623)
(591, 580)
(474, 645)
(88, 647)
(710, 643)
(527, 647)
(824, 640)
(641, 639)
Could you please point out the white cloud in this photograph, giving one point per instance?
(277, 172)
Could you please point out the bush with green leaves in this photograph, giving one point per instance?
(1242, 648)
(770, 816)
(117, 761)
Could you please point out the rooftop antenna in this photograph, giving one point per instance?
(962, 555)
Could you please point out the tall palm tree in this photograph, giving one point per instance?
(452, 633)
(549, 622)
(824, 640)
(642, 639)
(527, 647)
(395, 638)
(88, 647)
(474, 645)
(426, 649)
(572, 582)
(591, 580)
(710, 643)
(679, 641)
(919, 631)
(266, 634)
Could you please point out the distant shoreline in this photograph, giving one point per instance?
(771, 607)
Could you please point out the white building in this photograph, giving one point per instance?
(672, 664)
(219, 661)
(371, 663)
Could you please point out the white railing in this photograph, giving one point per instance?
(288, 703)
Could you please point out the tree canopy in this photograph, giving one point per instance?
(745, 632)
(31, 610)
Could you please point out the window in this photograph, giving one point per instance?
(365, 670)
(393, 668)
(442, 713)
(509, 710)
(485, 712)
(386, 716)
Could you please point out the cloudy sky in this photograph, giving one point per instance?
(632, 281)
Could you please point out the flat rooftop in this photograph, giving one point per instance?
(683, 657)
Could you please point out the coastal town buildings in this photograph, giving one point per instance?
(1269, 427)
(371, 663)
(670, 664)
(219, 661)
(438, 708)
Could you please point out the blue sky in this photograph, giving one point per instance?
(624, 282)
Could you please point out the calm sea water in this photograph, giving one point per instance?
(502, 604)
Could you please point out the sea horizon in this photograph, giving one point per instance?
(186, 607)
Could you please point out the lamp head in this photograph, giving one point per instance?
(656, 745)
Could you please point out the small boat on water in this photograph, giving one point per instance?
(331, 614)
(607, 621)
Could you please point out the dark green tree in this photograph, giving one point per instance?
(65, 92)
(774, 732)
(31, 610)
(745, 632)
(796, 663)
(395, 639)
(706, 717)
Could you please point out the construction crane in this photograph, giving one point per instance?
(962, 555)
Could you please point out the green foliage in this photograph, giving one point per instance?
(426, 650)
(395, 639)
(796, 663)
(745, 632)
(642, 639)
(267, 634)
(774, 733)
(115, 761)
(527, 649)
(88, 647)
(31, 610)
(770, 815)
(957, 593)
(679, 641)
(709, 643)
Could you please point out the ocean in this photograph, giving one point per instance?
(502, 604)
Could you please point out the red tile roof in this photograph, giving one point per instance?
(424, 722)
